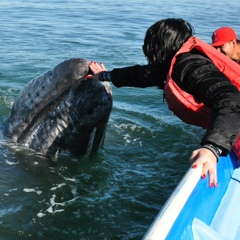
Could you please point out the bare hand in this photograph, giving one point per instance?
(96, 69)
(209, 161)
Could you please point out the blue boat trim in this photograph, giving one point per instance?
(201, 205)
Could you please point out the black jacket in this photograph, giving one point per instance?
(197, 75)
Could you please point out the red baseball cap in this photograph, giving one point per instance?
(223, 35)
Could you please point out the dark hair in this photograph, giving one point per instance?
(164, 38)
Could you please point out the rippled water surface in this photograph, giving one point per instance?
(117, 192)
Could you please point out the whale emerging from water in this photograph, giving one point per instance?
(61, 110)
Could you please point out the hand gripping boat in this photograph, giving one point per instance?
(196, 211)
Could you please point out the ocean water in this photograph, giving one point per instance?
(117, 192)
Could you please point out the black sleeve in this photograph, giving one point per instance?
(197, 75)
(137, 76)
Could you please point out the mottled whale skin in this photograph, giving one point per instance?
(61, 110)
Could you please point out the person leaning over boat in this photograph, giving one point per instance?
(225, 40)
(191, 73)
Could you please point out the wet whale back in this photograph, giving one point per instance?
(61, 110)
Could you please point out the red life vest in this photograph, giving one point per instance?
(182, 103)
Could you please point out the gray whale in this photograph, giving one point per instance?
(61, 110)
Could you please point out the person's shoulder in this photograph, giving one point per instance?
(192, 54)
(188, 62)
(191, 57)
